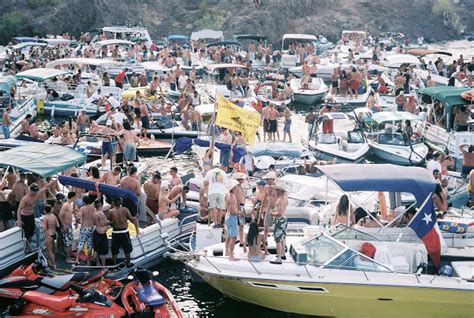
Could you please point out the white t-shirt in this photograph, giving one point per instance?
(217, 180)
(54, 140)
(119, 117)
(433, 165)
(96, 96)
(423, 116)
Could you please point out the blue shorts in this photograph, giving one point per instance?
(224, 158)
(107, 148)
(130, 152)
(6, 131)
(231, 225)
(286, 128)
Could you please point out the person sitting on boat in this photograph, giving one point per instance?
(344, 212)
(440, 201)
(165, 200)
(56, 138)
(470, 189)
(254, 242)
(369, 221)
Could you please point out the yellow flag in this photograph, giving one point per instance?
(236, 118)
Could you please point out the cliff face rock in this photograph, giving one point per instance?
(433, 19)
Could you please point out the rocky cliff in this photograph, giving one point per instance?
(434, 19)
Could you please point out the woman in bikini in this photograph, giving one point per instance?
(50, 224)
(164, 210)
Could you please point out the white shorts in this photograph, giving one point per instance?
(217, 201)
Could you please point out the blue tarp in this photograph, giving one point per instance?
(6, 83)
(103, 188)
(276, 150)
(184, 144)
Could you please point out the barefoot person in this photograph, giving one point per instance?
(164, 204)
(118, 217)
(240, 197)
(152, 189)
(26, 208)
(65, 217)
(281, 222)
(231, 219)
(268, 203)
(216, 180)
(99, 238)
(86, 219)
(50, 223)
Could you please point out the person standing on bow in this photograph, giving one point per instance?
(281, 222)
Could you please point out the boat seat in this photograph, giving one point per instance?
(56, 303)
(150, 296)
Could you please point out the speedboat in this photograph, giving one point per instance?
(392, 146)
(313, 94)
(21, 105)
(343, 144)
(323, 276)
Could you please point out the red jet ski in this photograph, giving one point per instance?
(40, 278)
(85, 303)
(144, 297)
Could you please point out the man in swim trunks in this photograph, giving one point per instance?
(118, 217)
(268, 204)
(281, 222)
(231, 219)
(86, 219)
(26, 208)
(273, 115)
(65, 217)
(152, 189)
(99, 238)
(240, 197)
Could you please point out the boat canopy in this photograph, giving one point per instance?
(22, 45)
(423, 52)
(447, 95)
(207, 34)
(396, 60)
(241, 37)
(113, 42)
(7, 82)
(42, 74)
(224, 43)
(383, 117)
(20, 39)
(276, 150)
(42, 159)
(56, 41)
(382, 177)
(78, 61)
(213, 67)
(177, 37)
(334, 116)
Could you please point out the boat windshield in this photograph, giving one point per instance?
(396, 139)
(321, 249)
(355, 137)
(351, 260)
(348, 233)
(327, 138)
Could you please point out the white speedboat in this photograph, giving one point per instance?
(392, 146)
(312, 94)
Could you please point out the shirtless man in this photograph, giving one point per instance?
(65, 217)
(231, 220)
(131, 142)
(6, 123)
(82, 121)
(99, 238)
(20, 189)
(112, 177)
(86, 219)
(26, 208)
(410, 105)
(400, 100)
(470, 187)
(164, 203)
(399, 83)
(287, 126)
(281, 222)
(132, 183)
(118, 217)
(176, 185)
(268, 204)
(288, 91)
(152, 189)
(468, 159)
(145, 118)
(240, 197)
(50, 223)
(196, 120)
(273, 115)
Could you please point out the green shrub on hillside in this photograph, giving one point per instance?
(10, 26)
(442, 6)
(35, 4)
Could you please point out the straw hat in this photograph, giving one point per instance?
(231, 184)
(240, 175)
(270, 175)
(279, 186)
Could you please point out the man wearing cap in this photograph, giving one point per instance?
(281, 222)
(240, 196)
(26, 208)
(216, 180)
(231, 218)
(268, 204)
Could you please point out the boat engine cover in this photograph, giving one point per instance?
(150, 296)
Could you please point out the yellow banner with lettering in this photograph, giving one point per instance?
(236, 118)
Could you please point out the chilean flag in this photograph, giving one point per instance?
(425, 225)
